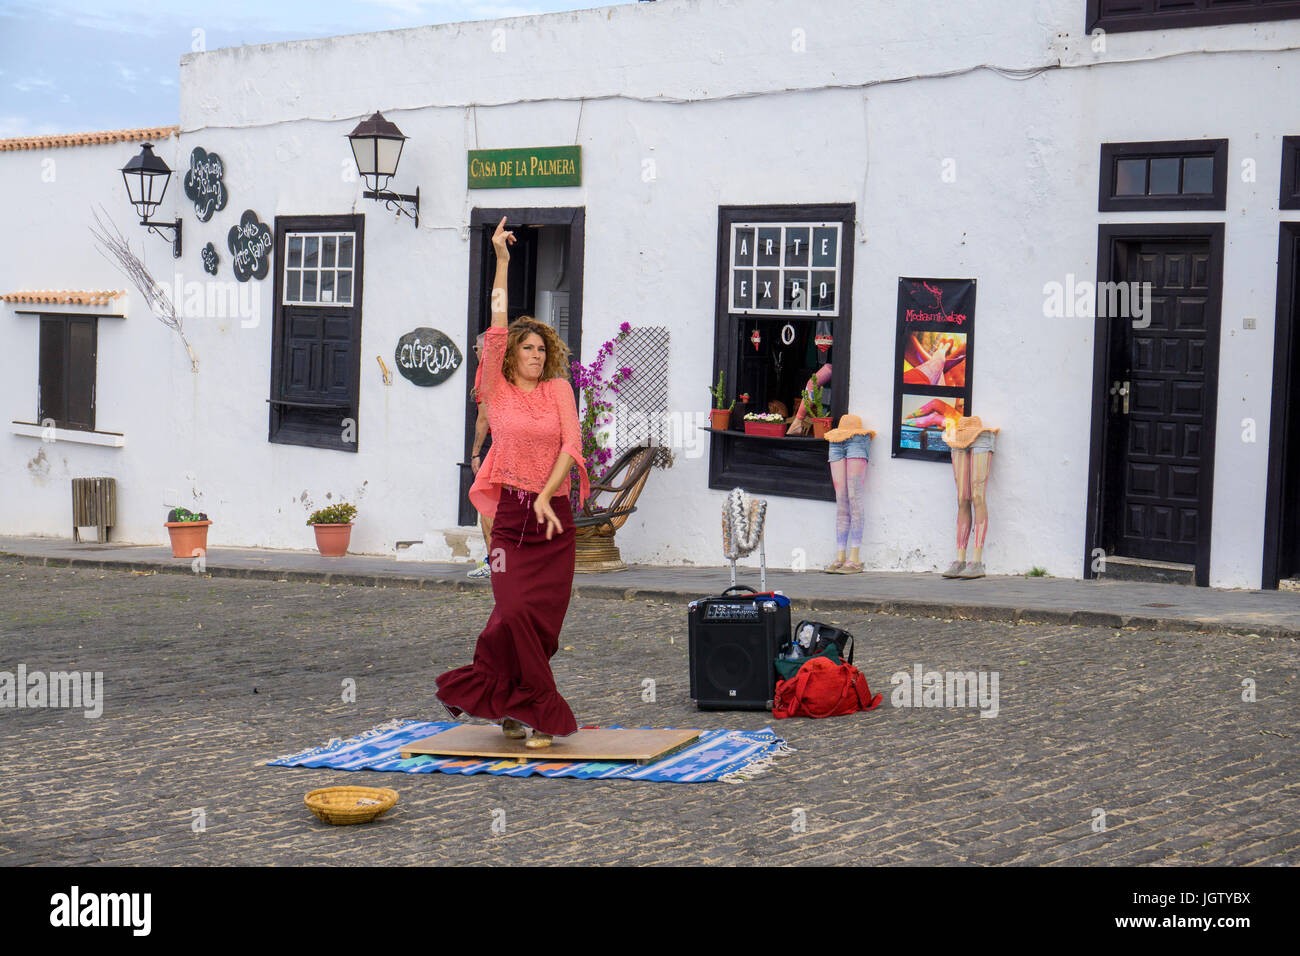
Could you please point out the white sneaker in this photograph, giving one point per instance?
(482, 571)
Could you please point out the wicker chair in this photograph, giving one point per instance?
(600, 519)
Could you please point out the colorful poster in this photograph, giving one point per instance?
(936, 319)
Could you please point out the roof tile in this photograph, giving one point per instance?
(88, 139)
(65, 297)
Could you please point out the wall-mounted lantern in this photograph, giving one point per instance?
(146, 178)
(377, 148)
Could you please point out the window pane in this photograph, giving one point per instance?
(345, 287)
(769, 247)
(823, 290)
(294, 292)
(825, 247)
(795, 296)
(796, 246)
(311, 250)
(345, 252)
(1131, 177)
(327, 286)
(295, 252)
(309, 287)
(328, 245)
(1164, 176)
(768, 289)
(744, 255)
(742, 288)
(1198, 174)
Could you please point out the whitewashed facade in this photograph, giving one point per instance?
(680, 107)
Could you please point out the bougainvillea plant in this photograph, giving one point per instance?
(595, 407)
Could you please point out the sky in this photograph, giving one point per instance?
(74, 66)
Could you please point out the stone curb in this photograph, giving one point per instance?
(1006, 614)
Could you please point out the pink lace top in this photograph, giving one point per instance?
(529, 431)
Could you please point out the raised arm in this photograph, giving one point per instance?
(501, 240)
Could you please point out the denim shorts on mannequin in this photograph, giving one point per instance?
(855, 446)
(983, 442)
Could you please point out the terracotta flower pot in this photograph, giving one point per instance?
(332, 539)
(188, 537)
(820, 427)
(720, 418)
(770, 429)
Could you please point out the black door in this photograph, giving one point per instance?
(1158, 397)
(316, 334)
(1282, 518)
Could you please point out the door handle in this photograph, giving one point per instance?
(1123, 391)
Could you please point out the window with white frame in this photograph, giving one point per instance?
(785, 268)
(318, 268)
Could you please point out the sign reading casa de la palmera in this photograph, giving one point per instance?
(530, 166)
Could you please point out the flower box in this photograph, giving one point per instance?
(768, 429)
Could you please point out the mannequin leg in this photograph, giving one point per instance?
(843, 516)
(981, 463)
(857, 493)
(961, 469)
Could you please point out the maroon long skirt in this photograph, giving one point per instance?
(532, 581)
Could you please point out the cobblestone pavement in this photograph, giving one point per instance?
(207, 678)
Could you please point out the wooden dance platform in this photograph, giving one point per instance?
(480, 740)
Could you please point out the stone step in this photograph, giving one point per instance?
(1144, 569)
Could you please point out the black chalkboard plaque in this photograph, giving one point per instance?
(210, 259)
(427, 356)
(203, 183)
(250, 243)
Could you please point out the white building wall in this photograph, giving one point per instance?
(674, 82)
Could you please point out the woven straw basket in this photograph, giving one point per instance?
(341, 805)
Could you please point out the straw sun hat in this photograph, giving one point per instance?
(850, 425)
(967, 430)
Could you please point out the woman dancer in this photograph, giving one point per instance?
(523, 485)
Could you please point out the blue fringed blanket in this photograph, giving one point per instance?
(729, 755)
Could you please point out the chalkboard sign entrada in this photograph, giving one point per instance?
(203, 183)
(250, 243)
(534, 166)
(427, 356)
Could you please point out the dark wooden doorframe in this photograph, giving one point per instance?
(1109, 240)
(575, 217)
(1284, 380)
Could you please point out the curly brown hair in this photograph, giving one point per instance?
(557, 353)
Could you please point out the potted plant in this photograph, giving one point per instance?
(333, 528)
(720, 416)
(765, 423)
(817, 412)
(189, 532)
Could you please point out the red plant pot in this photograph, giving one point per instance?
(188, 537)
(332, 539)
(820, 427)
(720, 418)
(769, 429)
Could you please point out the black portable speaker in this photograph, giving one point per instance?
(734, 640)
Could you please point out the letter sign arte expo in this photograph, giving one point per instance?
(427, 357)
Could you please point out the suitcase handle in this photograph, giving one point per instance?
(739, 587)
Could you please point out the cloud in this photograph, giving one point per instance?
(29, 83)
(12, 127)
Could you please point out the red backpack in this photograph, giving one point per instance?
(823, 689)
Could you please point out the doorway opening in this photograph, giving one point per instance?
(545, 282)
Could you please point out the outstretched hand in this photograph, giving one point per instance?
(546, 515)
(501, 240)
